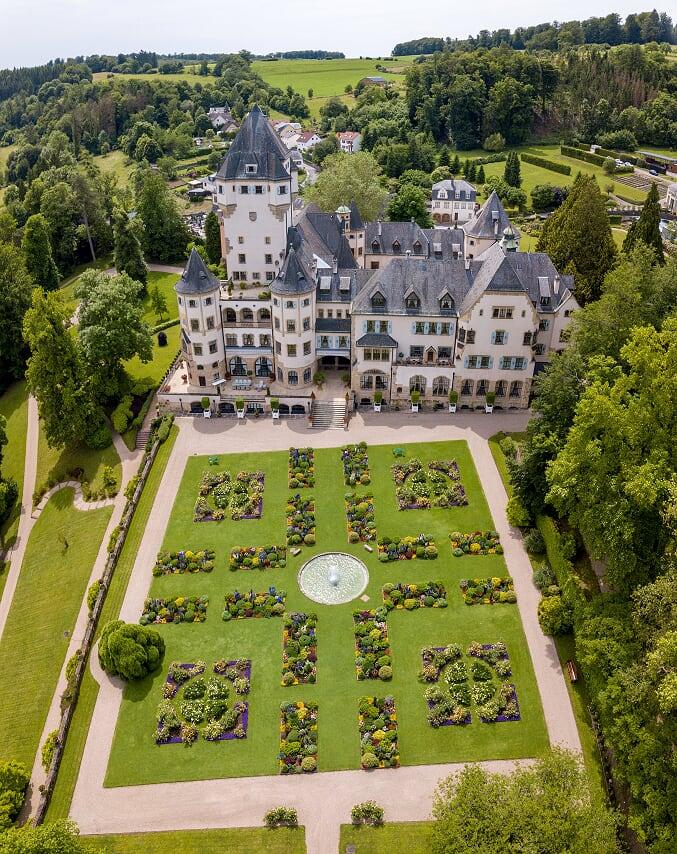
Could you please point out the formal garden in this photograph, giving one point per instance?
(328, 687)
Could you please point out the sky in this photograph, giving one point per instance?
(33, 31)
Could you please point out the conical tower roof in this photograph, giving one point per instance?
(196, 278)
(293, 278)
(490, 221)
(256, 152)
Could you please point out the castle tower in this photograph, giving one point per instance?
(197, 293)
(293, 293)
(255, 191)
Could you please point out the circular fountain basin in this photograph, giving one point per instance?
(333, 578)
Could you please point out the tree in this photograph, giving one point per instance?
(546, 807)
(58, 837)
(647, 228)
(510, 109)
(13, 782)
(494, 142)
(158, 301)
(164, 236)
(128, 256)
(511, 173)
(55, 373)
(328, 146)
(480, 178)
(130, 651)
(456, 165)
(213, 238)
(578, 238)
(59, 205)
(346, 178)
(411, 202)
(444, 157)
(110, 329)
(15, 298)
(38, 253)
(9, 492)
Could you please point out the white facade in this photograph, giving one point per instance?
(349, 141)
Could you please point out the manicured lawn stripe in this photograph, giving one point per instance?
(410, 836)
(46, 602)
(134, 755)
(14, 406)
(240, 840)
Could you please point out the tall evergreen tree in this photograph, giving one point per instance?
(37, 250)
(472, 172)
(128, 254)
(481, 179)
(165, 236)
(444, 157)
(512, 174)
(578, 239)
(466, 168)
(647, 227)
(456, 165)
(213, 238)
(15, 298)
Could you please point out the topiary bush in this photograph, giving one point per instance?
(48, 749)
(554, 616)
(368, 812)
(518, 515)
(130, 651)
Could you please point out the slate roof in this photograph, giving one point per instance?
(294, 277)
(319, 233)
(196, 278)
(256, 143)
(356, 222)
(384, 234)
(489, 221)
(376, 339)
(447, 239)
(452, 186)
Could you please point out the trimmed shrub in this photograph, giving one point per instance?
(129, 651)
(534, 542)
(517, 514)
(92, 594)
(48, 749)
(122, 414)
(281, 817)
(553, 166)
(554, 616)
(368, 812)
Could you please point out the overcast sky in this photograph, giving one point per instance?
(33, 31)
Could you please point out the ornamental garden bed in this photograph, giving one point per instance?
(220, 493)
(258, 557)
(171, 563)
(409, 597)
(301, 473)
(407, 548)
(418, 489)
(475, 543)
(298, 738)
(372, 647)
(360, 517)
(243, 605)
(377, 719)
(300, 521)
(299, 648)
(355, 464)
(182, 609)
(488, 591)
(190, 700)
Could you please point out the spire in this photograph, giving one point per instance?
(293, 278)
(196, 278)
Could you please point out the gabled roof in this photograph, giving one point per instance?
(293, 278)
(452, 186)
(376, 339)
(348, 135)
(196, 278)
(489, 221)
(384, 234)
(321, 234)
(445, 241)
(256, 144)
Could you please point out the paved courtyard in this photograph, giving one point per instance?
(323, 800)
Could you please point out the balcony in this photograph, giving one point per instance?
(425, 362)
(247, 324)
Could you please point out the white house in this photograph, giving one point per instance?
(452, 201)
(350, 141)
(219, 116)
(306, 140)
(671, 198)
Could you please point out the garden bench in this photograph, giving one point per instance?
(571, 668)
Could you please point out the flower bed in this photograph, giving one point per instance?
(299, 648)
(242, 605)
(360, 517)
(300, 521)
(169, 563)
(407, 548)
(182, 609)
(203, 701)
(417, 489)
(408, 597)
(488, 591)
(450, 707)
(476, 543)
(301, 468)
(244, 496)
(377, 720)
(372, 647)
(298, 738)
(258, 557)
(355, 464)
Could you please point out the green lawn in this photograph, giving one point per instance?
(165, 283)
(241, 840)
(14, 407)
(135, 758)
(116, 163)
(56, 464)
(410, 836)
(162, 357)
(75, 744)
(46, 602)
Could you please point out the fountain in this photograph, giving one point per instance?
(333, 578)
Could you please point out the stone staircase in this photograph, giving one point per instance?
(141, 439)
(329, 414)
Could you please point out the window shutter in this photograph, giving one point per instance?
(426, 327)
(364, 326)
(439, 328)
(413, 328)
(493, 337)
(505, 337)
(491, 361)
(501, 363)
(465, 362)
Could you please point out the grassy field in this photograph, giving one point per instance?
(135, 758)
(241, 840)
(165, 283)
(57, 565)
(162, 358)
(75, 745)
(116, 163)
(410, 836)
(14, 407)
(55, 464)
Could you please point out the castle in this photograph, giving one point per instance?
(380, 306)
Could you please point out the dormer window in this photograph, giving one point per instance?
(413, 302)
(446, 304)
(396, 246)
(442, 194)
(378, 300)
(417, 247)
(251, 168)
(375, 247)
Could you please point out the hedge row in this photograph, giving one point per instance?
(607, 152)
(563, 168)
(165, 325)
(579, 154)
(568, 582)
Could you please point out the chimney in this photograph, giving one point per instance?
(408, 253)
(556, 284)
(334, 265)
(380, 228)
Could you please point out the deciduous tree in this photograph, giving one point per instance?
(165, 236)
(213, 238)
(15, 298)
(37, 250)
(128, 253)
(411, 202)
(346, 178)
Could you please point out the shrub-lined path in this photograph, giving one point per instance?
(323, 800)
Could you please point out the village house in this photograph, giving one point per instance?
(349, 141)
(452, 201)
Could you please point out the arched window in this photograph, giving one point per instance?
(231, 317)
(307, 375)
(246, 314)
(482, 388)
(396, 246)
(417, 383)
(263, 367)
(440, 386)
(237, 367)
(264, 314)
(293, 378)
(466, 387)
(375, 247)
